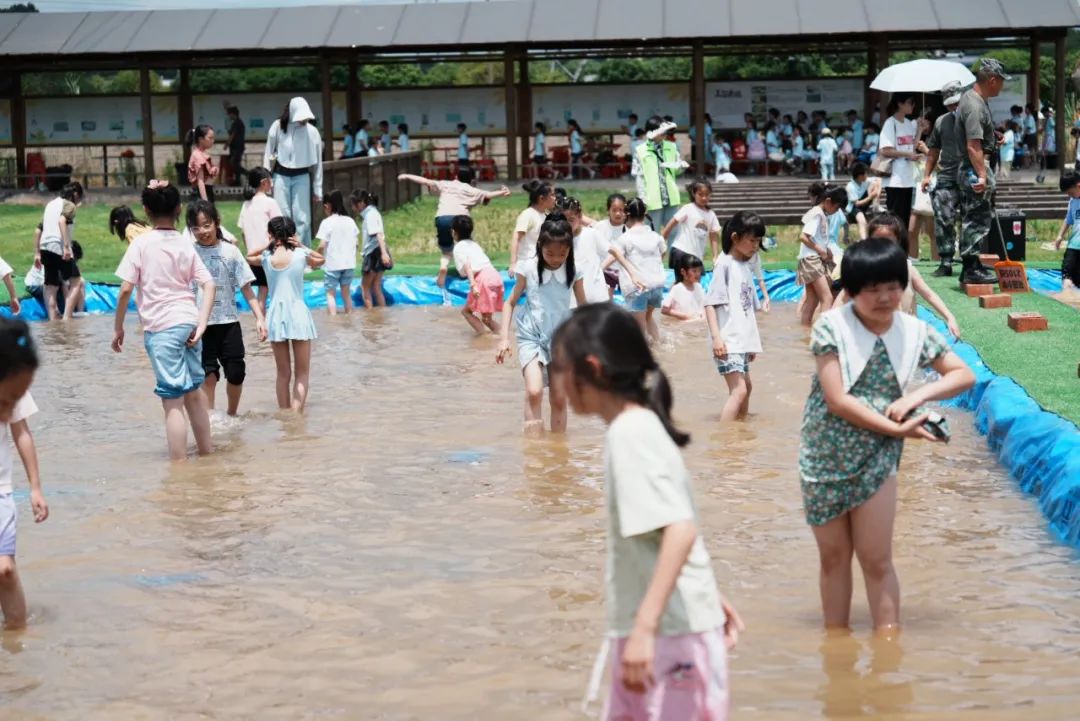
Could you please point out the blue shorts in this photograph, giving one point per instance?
(733, 363)
(639, 302)
(178, 369)
(335, 278)
(7, 524)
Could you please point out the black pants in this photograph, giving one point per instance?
(898, 201)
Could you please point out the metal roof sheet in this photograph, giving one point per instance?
(459, 25)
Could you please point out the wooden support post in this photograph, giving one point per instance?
(1061, 142)
(185, 110)
(327, 120)
(1033, 75)
(18, 128)
(697, 102)
(872, 70)
(510, 91)
(147, 121)
(525, 109)
(879, 98)
(352, 94)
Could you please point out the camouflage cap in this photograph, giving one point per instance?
(993, 67)
(951, 92)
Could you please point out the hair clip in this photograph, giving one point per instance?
(158, 184)
(22, 341)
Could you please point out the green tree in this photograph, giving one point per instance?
(20, 8)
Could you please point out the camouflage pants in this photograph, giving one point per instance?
(946, 203)
(977, 215)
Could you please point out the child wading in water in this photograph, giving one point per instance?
(549, 279)
(254, 217)
(696, 224)
(855, 422)
(18, 361)
(670, 625)
(289, 323)
(686, 300)
(337, 243)
(166, 269)
(376, 255)
(815, 256)
(730, 311)
(640, 251)
(223, 342)
(485, 284)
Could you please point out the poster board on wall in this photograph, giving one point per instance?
(5, 122)
(605, 108)
(98, 120)
(260, 110)
(438, 110)
(728, 101)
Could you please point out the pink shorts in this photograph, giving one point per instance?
(691, 681)
(490, 284)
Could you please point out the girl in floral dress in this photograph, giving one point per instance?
(855, 422)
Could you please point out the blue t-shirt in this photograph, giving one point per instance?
(575, 143)
(463, 147)
(538, 149)
(857, 134)
(403, 142)
(772, 141)
(855, 191)
(1030, 127)
(720, 155)
(1072, 217)
(361, 143)
(348, 146)
(798, 147)
(837, 221)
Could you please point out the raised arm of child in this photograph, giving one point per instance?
(502, 192)
(508, 317)
(316, 259)
(421, 180)
(630, 267)
(24, 443)
(934, 301)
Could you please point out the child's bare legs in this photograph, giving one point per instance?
(738, 396)
(283, 362)
(199, 417)
(533, 375)
(302, 358)
(444, 268)
(746, 402)
(489, 321)
(346, 297)
(209, 387)
(51, 306)
(473, 321)
(331, 300)
(871, 532)
(72, 296)
(176, 426)
(834, 552)
(376, 287)
(817, 293)
(557, 401)
(232, 394)
(365, 288)
(12, 599)
(864, 225)
(651, 328)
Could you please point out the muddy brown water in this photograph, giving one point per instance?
(403, 553)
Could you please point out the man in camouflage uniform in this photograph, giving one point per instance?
(946, 150)
(977, 182)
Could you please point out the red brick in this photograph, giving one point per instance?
(989, 259)
(975, 290)
(997, 300)
(1027, 321)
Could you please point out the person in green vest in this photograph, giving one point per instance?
(659, 165)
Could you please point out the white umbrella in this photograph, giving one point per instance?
(922, 76)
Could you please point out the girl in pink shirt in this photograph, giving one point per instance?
(201, 171)
(165, 268)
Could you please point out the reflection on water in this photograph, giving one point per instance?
(403, 553)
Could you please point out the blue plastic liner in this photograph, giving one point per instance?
(1041, 450)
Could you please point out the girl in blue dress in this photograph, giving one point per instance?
(289, 323)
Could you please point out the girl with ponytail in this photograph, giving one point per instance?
(670, 626)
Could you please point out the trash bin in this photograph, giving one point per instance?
(1011, 226)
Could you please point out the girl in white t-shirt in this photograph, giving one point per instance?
(590, 252)
(548, 280)
(816, 260)
(670, 627)
(696, 223)
(730, 306)
(610, 229)
(640, 251)
(18, 362)
(686, 299)
(338, 236)
(485, 284)
(527, 225)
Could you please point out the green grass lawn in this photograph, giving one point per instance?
(1044, 363)
(409, 229)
